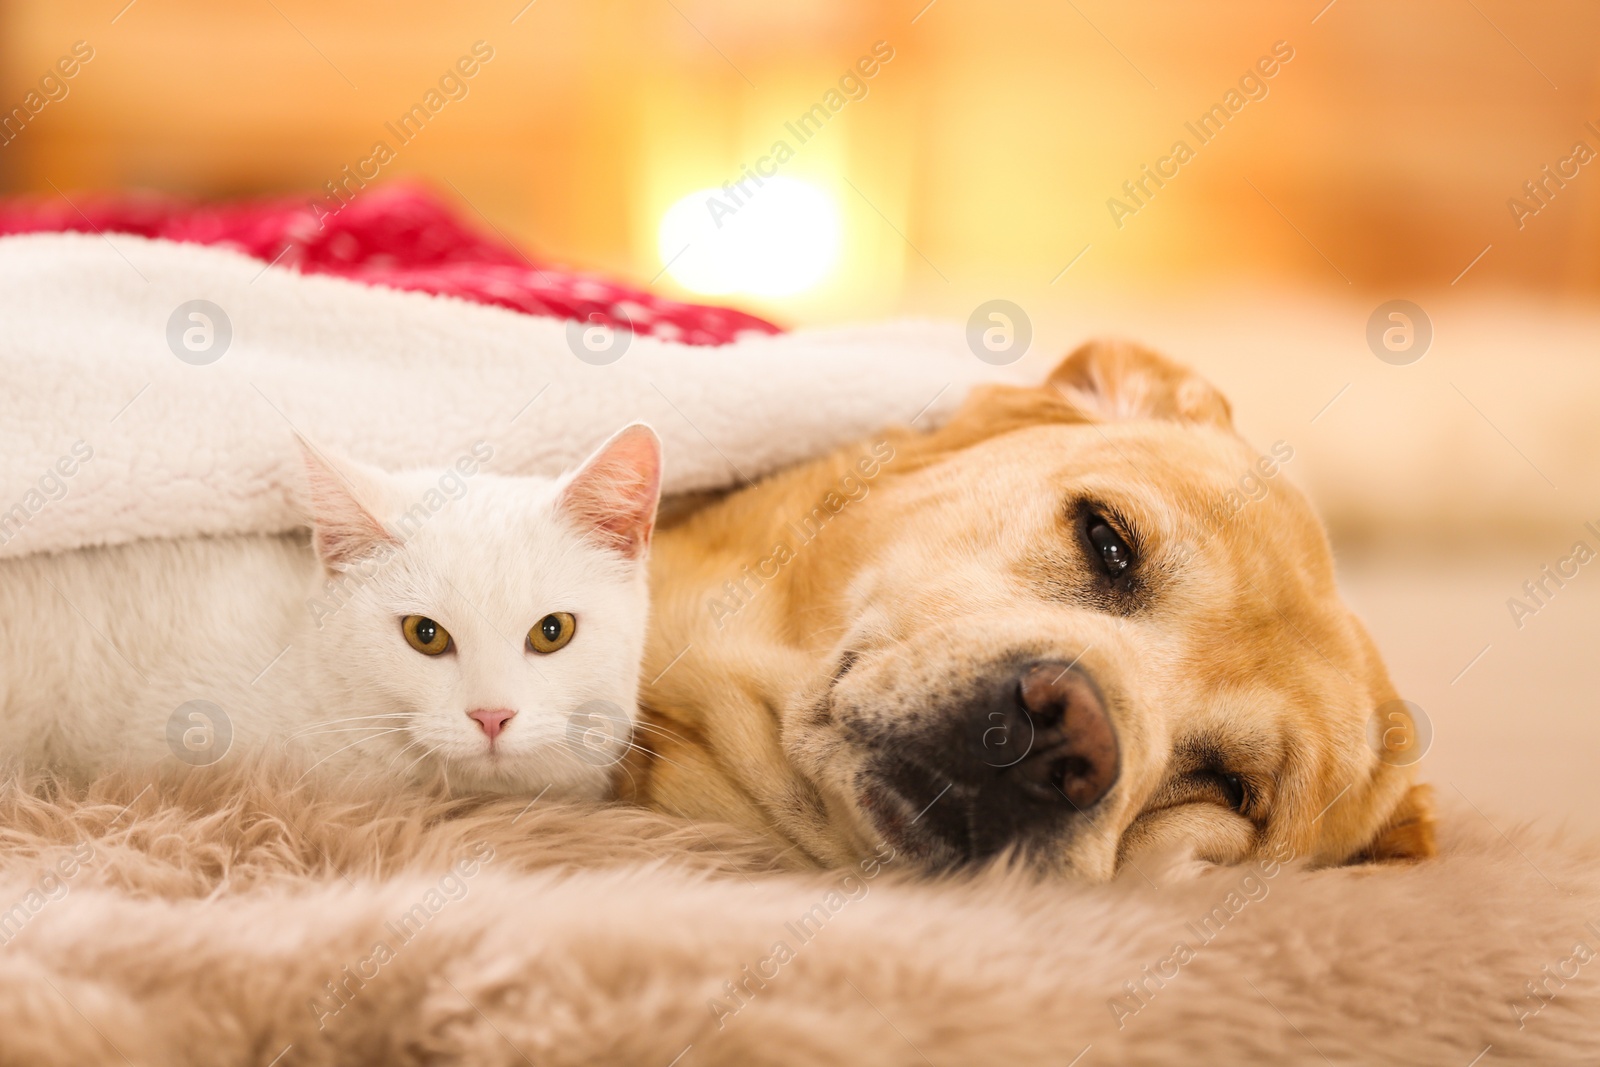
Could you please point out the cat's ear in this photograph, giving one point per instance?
(343, 529)
(612, 498)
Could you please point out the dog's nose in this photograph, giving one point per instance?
(1014, 765)
(1069, 749)
(492, 720)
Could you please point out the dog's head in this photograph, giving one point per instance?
(1086, 621)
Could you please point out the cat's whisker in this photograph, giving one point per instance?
(335, 752)
(407, 747)
(651, 728)
(342, 730)
(650, 752)
(380, 731)
(312, 727)
(426, 753)
(657, 757)
(654, 754)
(633, 785)
(359, 718)
(577, 748)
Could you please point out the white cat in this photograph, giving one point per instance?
(456, 627)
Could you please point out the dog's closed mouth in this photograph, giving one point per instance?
(939, 822)
(897, 818)
(1019, 760)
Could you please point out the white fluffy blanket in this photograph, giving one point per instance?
(189, 421)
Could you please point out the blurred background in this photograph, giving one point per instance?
(920, 158)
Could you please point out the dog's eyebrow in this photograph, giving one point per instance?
(1058, 571)
(1197, 751)
(1212, 750)
(1057, 575)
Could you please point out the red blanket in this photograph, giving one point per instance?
(400, 236)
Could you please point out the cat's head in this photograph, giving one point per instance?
(498, 621)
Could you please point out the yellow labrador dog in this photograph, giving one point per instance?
(1079, 623)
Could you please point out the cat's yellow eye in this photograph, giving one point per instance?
(551, 633)
(425, 635)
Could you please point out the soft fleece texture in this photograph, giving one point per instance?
(399, 379)
(401, 236)
(213, 912)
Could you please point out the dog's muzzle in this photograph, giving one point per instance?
(1014, 764)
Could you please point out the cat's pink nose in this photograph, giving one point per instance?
(492, 720)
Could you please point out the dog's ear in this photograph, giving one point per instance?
(1408, 835)
(1103, 381)
(1115, 380)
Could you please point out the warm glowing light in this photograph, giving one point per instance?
(775, 239)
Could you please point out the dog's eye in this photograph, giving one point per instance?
(1114, 554)
(1233, 788)
(1213, 786)
(1230, 789)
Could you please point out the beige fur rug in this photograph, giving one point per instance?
(232, 920)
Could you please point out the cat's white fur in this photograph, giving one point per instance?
(297, 648)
